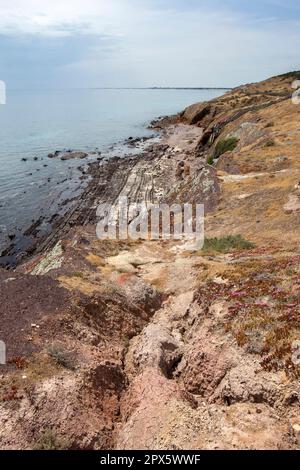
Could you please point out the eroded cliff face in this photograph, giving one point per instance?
(147, 344)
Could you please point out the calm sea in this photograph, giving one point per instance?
(35, 123)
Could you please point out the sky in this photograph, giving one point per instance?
(140, 43)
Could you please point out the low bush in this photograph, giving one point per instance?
(48, 440)
(270, 143)
(225, 145)
(210, 160)
(226, 244)
(62, 357)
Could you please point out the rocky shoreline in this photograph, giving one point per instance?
(104, 170)
(145, 344)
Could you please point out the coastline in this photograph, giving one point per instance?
(114, 176)
(119, 159)
(112, 343)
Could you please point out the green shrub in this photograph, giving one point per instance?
(270, 143)
(295, 74)
(225, 145)
(62, 357)
(210, 160)
(226, 244)
(48, 440)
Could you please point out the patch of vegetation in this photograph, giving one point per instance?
(210, 160)
(78, 274)
(48, 440)
(62, 357)
(38, 367)
(269, 124)
(270, 143)
(226, 244)
(295, 75)
(263, 298)
(225, 145)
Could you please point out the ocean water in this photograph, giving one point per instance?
(35, 123)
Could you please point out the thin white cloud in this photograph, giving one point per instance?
(148, 44)
(59, 17)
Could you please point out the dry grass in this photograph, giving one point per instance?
(62, 357)
(49, 440)
(264, 308)
(18, 383)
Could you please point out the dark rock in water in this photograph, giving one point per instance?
(24, 159)
(70, 155)
(45, 165)
(53, 218)
(35, 158)
(133, 142)
(12, 236)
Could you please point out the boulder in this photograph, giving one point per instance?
(71, 155)
(196, 112)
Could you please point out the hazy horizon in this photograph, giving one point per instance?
(124, 88)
